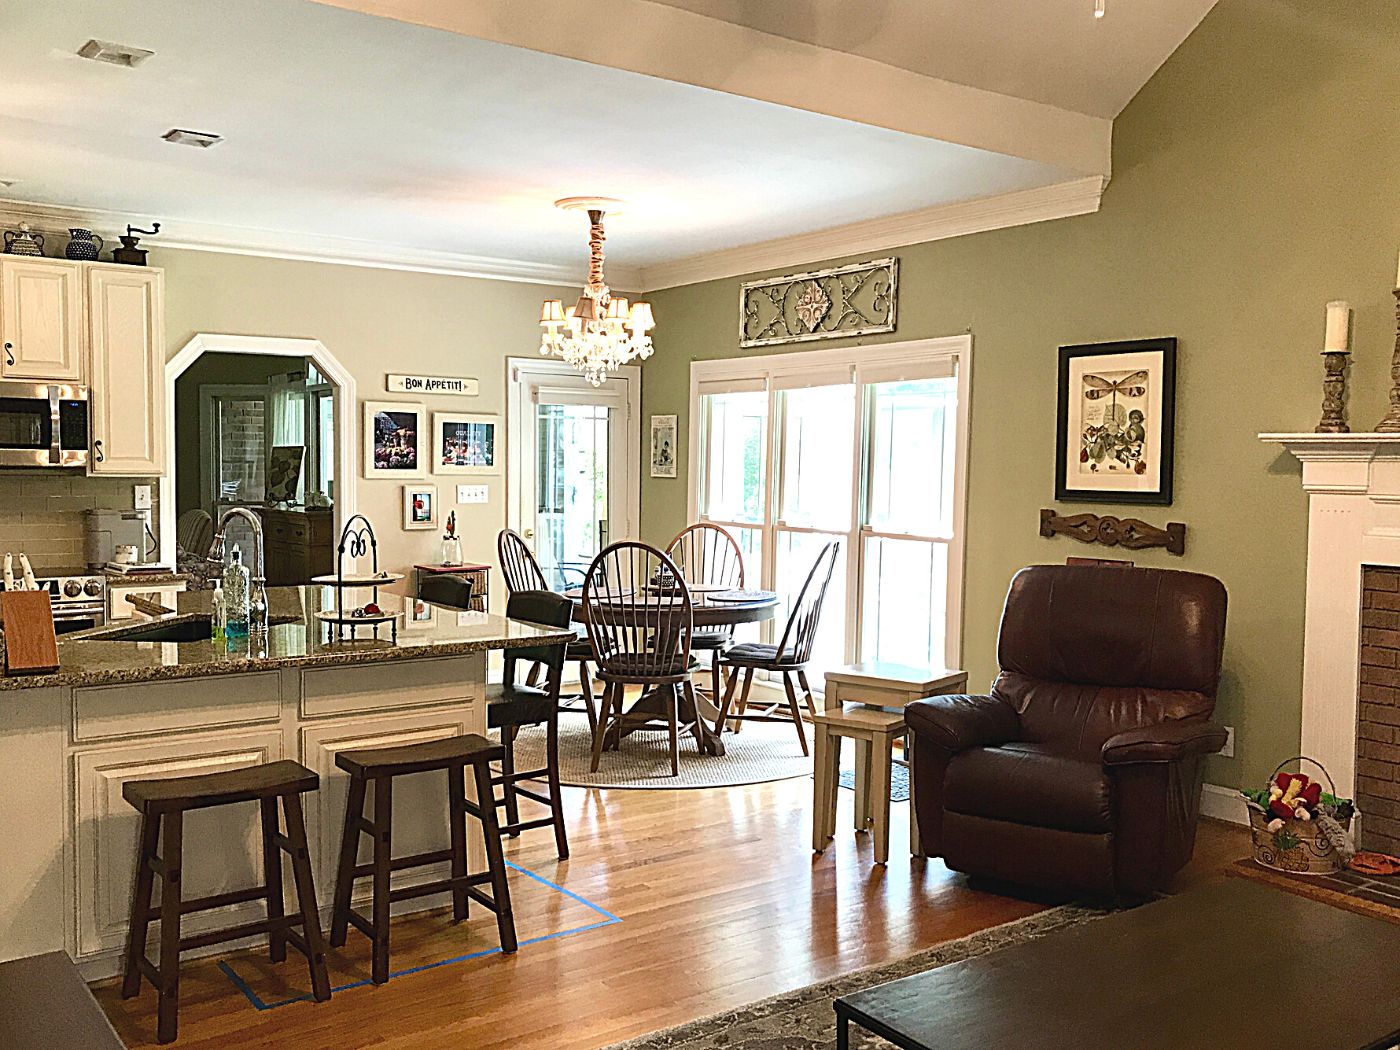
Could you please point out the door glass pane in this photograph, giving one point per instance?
(242, 455)
(571, 521)
(796, 553)
(906, 597)
(817, 454)
(736, 446)
(913, 433)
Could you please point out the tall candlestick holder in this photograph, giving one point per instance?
(1334, 390)
(1391, 423)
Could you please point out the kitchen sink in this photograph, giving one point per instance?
(189, 629)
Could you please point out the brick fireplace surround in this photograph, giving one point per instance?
(1378, 716)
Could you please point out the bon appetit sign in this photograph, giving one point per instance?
(431, 385)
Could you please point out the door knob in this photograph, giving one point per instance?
(529, 534)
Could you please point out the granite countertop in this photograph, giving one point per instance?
(294, 639)
(148, 579)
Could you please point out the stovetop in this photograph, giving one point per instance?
(70, 586)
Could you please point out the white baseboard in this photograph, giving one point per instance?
(1222, 803)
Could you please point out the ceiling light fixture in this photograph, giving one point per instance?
(1100, 8)
(200, 139)
(114, 54)
(600, 332)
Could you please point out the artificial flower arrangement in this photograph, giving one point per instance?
(1298, 826)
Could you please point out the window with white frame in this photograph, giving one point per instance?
(866, 447)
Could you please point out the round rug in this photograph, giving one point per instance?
(759, 753)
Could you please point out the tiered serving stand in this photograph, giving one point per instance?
(357, 540)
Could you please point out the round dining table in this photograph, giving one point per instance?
(711, 608)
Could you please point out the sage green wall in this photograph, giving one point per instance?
(1256, 177)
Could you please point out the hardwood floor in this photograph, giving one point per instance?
(720, 900)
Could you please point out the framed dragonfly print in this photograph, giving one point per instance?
(1115, 422)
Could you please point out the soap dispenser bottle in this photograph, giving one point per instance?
(236, 596)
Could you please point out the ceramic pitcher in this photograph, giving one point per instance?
(83, 244)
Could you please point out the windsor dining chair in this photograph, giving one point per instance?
(709, 555)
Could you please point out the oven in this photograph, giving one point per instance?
(79, 600)
(43, 425)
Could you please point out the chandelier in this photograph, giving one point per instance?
(601, 331)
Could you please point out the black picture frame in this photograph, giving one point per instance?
(1162, 495)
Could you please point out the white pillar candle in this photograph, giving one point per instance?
(1338, 325)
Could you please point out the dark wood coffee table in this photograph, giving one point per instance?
(1232, 965)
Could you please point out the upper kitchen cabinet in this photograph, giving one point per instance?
(41, 319)
(127, 396)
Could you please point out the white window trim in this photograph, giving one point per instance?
(774, 369)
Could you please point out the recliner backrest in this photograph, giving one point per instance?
(1087, 652)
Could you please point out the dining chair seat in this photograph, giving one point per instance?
(516, 705)
(756, 654)
(626, 665)
(711, 640)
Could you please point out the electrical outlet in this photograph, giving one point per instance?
(142, 498)
(1228, 751)
(471, 493)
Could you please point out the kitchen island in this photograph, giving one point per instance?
(160, 698)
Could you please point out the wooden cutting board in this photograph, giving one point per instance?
(31, 644)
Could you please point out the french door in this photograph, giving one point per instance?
(573, 458)
(861, 448)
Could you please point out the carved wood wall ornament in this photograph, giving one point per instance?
(1131, 533)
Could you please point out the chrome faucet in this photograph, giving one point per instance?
(257, 590)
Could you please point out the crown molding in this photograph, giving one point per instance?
(1019, 208)
(51, 220)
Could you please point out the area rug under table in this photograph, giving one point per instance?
(759, 753)
(804, 1019)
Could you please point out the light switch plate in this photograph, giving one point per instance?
(143, 497)
(471, 493)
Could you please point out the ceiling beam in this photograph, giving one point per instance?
(677, 45)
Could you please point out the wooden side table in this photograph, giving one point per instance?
(480, 575)
(878, 687)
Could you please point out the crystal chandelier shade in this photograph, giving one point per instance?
(601, 331)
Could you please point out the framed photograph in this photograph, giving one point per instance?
(1115, 422)
(420, 507)
(465, 444)
(663, 446)
(396, 444)
(419, 615)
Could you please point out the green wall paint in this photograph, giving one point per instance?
(1256, 177)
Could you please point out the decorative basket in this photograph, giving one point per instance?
(1300, 847)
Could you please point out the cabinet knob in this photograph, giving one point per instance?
(97, 449)
(9, 357)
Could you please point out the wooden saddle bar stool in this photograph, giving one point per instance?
(640, 617)
(789, 657)
(510, 706)
(709, 555)
(379, 766)
(522, 572)
(160, 852)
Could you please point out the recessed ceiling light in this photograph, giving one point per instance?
(202, 139)
(114, 54)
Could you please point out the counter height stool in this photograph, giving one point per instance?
(162, 805)
(379, 766)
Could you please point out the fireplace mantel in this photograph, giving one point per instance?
(1353, 486)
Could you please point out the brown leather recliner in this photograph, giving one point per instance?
(1082, 770)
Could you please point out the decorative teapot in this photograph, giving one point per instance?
(22, 242)
(83, 245)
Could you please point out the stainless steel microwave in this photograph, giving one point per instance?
(43, 425)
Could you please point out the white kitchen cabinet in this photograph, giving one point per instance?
(127, 320)
(41, 320)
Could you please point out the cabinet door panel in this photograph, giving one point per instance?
(222, 845)
(41, 303)
(420, 800)
(128, 371)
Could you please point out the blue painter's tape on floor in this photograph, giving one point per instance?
(608, 919)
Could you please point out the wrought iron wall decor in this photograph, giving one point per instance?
(1132, 533)
(844, 301)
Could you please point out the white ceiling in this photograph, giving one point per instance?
(1050, 51)
(368, 137)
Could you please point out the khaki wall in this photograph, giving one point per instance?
(1256, 177)
(374, 322)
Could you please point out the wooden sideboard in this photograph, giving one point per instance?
(300, 544)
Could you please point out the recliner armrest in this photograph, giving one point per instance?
(957, 722)
(1164, 742)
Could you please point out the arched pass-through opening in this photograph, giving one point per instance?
(326, 364)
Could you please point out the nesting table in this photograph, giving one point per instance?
(874, 719)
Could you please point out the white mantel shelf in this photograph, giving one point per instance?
(1353, 486)
(1346, 463)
